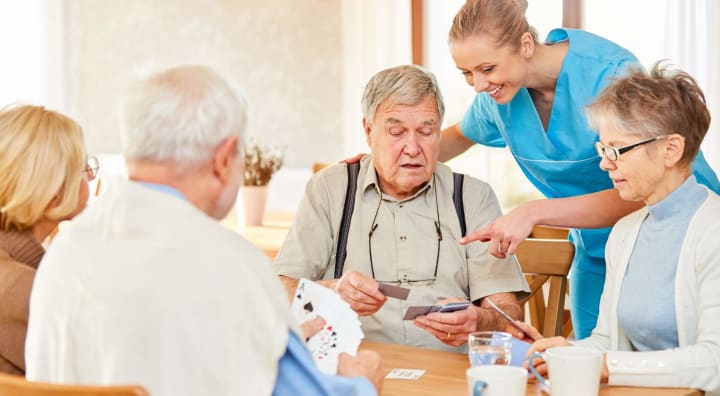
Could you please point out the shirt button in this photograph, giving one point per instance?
(613, 362)
(403, 237)
(404, 278)
(661, 364)
(401, 205)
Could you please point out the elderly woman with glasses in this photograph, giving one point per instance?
(659, 322)
(44, 177)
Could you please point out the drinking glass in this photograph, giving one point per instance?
(489, 347)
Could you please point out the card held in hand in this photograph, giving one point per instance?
(342, 331)
(393, 291)
(419, 310)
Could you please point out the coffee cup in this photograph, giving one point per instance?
(496, 381)
(572, 370)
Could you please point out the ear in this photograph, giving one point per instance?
(224, 159)
(368, 131)
(527, 45)
(673, 149)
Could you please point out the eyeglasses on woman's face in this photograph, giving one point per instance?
(92, 166)
(613, 153)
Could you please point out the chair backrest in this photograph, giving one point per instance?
(546, 260)
(13, 385)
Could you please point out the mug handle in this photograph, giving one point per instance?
(478, 387)
(537, 355)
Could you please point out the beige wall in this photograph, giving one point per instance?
(285, 54)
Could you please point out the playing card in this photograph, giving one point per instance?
(407, 374)
(394, 291)
(418, 310)
(342, 332)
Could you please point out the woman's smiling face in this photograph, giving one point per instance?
(499, 71)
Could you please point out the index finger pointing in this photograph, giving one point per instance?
(482, 235)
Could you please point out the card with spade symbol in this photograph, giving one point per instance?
(342, 331)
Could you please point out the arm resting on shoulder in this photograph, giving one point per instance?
(453, 143)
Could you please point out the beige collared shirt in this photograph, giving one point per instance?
(404, 245)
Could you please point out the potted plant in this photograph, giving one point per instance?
(261, 162)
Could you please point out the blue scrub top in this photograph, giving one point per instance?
(562, 161)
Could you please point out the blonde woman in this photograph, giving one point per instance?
(43, 181)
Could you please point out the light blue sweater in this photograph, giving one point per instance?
(648, 318)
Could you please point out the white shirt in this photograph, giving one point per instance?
(143, 288)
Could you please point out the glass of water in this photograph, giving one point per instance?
(489, 347)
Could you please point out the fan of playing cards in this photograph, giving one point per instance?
(342, 331)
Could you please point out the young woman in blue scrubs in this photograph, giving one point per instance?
(532, 98)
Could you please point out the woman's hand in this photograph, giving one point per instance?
(541, 346)
(505, 233)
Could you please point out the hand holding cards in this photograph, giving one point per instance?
(415, 311)
(342, 331)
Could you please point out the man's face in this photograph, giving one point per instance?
(404, 141)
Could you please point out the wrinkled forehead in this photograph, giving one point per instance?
(396, 110)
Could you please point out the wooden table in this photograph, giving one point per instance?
(269, 239)
(269, 236)
(445, 374)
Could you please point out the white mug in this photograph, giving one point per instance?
(496, 381)
(573, 371)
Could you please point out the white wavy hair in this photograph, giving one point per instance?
(181, 115)
(407, 85)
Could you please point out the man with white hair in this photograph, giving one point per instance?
(147, 288)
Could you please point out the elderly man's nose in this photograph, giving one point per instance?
(412, 147)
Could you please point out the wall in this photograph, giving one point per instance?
(285, 54)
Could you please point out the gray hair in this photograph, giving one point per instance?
(407, 85)
(181, 115)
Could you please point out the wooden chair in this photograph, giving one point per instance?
(546, 260)
(13, 385)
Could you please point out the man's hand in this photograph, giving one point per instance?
(451, 328)
(366, 364)
(505, 233)
(312, 327)
(361, 292)
(533, 332)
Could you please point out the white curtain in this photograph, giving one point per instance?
(692, 40)
(376, 35)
